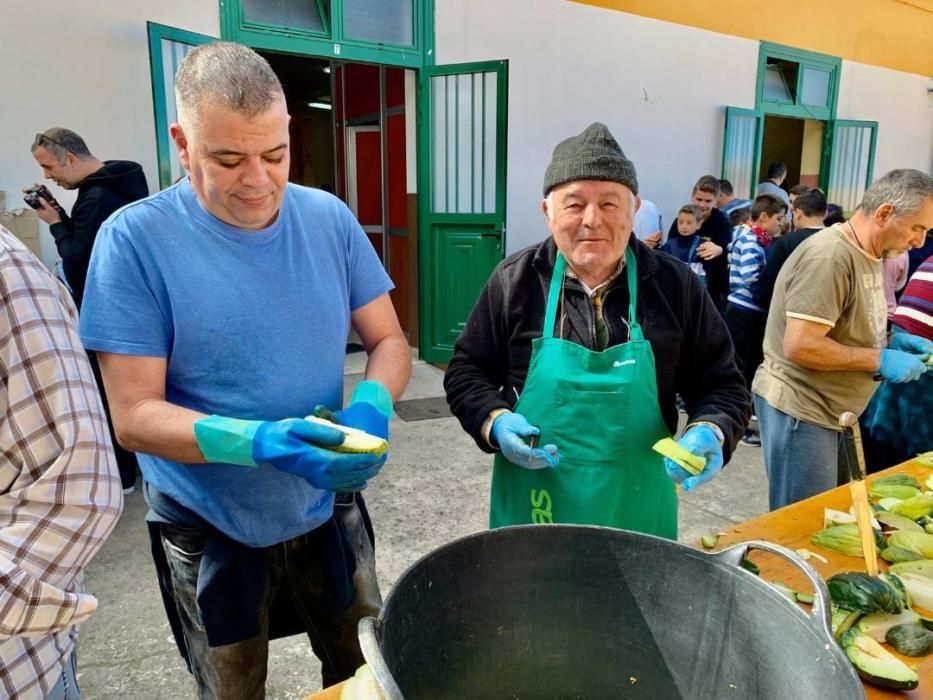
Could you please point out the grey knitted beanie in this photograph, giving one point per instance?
(591, 155)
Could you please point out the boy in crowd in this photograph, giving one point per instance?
(739, 219)
(685, 246)
(744, 315)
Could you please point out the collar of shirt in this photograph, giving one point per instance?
(592, 292)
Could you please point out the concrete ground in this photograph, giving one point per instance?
(433, 490)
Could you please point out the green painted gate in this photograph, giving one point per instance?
(461, 168)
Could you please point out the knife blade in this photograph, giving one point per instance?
(855, 460)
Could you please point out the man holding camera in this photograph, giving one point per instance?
(103, 187)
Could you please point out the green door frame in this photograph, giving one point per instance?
(830, 152)
(492, 224)
(156, 33)
(759, 117)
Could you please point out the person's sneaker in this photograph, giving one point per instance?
(127, 491)
(752, 440)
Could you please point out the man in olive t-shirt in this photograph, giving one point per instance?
(826, 336)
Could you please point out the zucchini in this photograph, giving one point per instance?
(749, 565)
(831, 518)
(898, 555)
(896, 480)
(919, 542)
(898, 586)
(920, 589)
(805, 598)
(910, 640)
(709, 541)
(876, 664)
(923, 567)
(679, 455)
(893, 491)
(843, 539)
(863, 593)
(876, 625)
(926, 459)
(889, 503)
(842, 621)
(897, 522)
(354, 441)
(916, 507)
(784, 590)
(362, 686)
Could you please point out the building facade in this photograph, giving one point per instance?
(435, 120)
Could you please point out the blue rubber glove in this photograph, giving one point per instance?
(509, 430)
(369, 410)
(900, 367)
(293, 445)
(914, 344)
(703, 442)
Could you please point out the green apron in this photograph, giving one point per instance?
(601, 410)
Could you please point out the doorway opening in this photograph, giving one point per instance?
(349, 135)
(798, 143)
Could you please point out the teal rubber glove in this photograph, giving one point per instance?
(510, 431)
(703, 442)
(369, 410)
(900, 367)
(293, 445)
(914, 344)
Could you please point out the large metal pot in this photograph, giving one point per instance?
(565, 611)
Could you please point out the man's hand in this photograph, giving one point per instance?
(47, 212)
(703, 442)
(654, 240)
(709, 250)
(294, 446)
(900, 367)
(510, 431)
(914, 344)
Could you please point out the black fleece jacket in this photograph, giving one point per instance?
(100, 194)
(692, 348)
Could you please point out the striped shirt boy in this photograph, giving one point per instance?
(746, 261)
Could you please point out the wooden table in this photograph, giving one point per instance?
(792, 527)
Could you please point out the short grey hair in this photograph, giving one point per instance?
(906, 189)
(229, 75)
(59, 142)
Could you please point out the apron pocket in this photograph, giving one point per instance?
(589, 427)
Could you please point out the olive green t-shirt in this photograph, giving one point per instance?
(830, 281)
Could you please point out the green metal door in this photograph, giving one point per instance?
(848, 161)
(461, 176)
(741, 149)
(167, 47)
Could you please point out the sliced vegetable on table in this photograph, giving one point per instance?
(910, 639)
(897, 522)
(843, 539)
(876, 625)
(876, 664)
(924, 567)
(863, 593)
(918, 542)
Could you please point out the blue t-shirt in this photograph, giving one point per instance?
(253, 324)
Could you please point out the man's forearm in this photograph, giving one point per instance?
(389, 363)
(826, 354)
(160, 428)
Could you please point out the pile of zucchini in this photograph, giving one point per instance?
(869, 611)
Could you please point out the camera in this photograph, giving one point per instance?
(32, 194)
(31, 197)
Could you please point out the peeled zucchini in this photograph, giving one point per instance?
(916, 507)
(843, 539)
(876, 664)
(898, 555)
(897, 522)
(709, 541)
(362, 686)
(354, 441)
(679, 455)
(919, 542)
(863, 593)
(876, 625)
(924, 567)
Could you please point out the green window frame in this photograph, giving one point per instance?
(805, 60)
(332, 43)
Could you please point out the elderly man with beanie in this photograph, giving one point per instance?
(571, 360)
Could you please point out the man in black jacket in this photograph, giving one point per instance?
(599, 386)
(103, 187)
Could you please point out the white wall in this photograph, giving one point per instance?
(901, 105)
(85, 68)
(660, 87)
